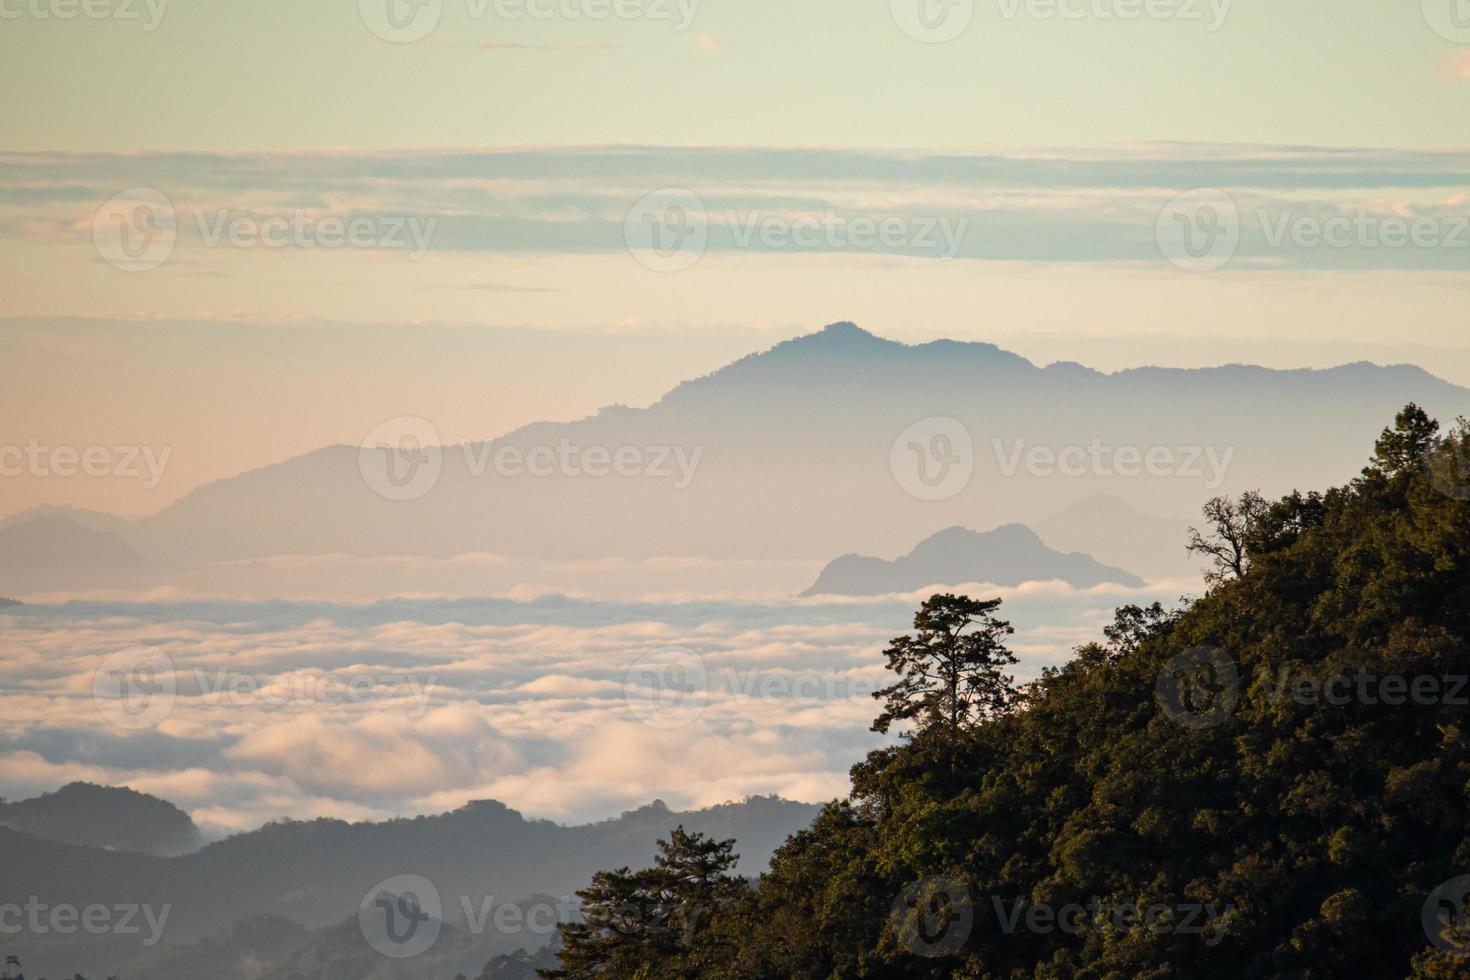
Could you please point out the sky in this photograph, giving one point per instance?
(1003, 171)
(283, 75)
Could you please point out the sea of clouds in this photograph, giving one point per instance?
(569, 708)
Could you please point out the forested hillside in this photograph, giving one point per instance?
(1269, 781)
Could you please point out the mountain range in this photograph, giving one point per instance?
(114, 818)
(288, 893)
(788, 454)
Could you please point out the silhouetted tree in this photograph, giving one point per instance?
(1226, 542)
(1407, 443)
(642, 923)
(950, 670)
(1132, 625)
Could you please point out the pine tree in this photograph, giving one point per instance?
(950, 670)
(639, 924)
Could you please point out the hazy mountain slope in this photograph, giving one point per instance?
(1111, 531)
(340, 952)
(92, 519)
(317, 873)
(1009, 555)
(55, 550)
(245, 950)
(790, 454)
(104, 816)
(271, 947)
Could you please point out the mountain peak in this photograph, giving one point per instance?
(1008, 555)
(844, 328)
(1005, 534)
(843, 335)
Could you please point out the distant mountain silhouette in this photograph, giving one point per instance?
(340, 952)
(316, 873)
(795, 449)
(1009, 555)
(104, 816)
(272, 947)
(4, 602)
(519, 966)
(56, 550)
(91, 519)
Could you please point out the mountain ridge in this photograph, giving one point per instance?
(816, 416)
(1008, 555)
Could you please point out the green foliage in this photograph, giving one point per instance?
(646, 924)
(950, 669)
(1315, 831)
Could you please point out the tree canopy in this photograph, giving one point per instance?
(1311, 824)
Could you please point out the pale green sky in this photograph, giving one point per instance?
(287, 74)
